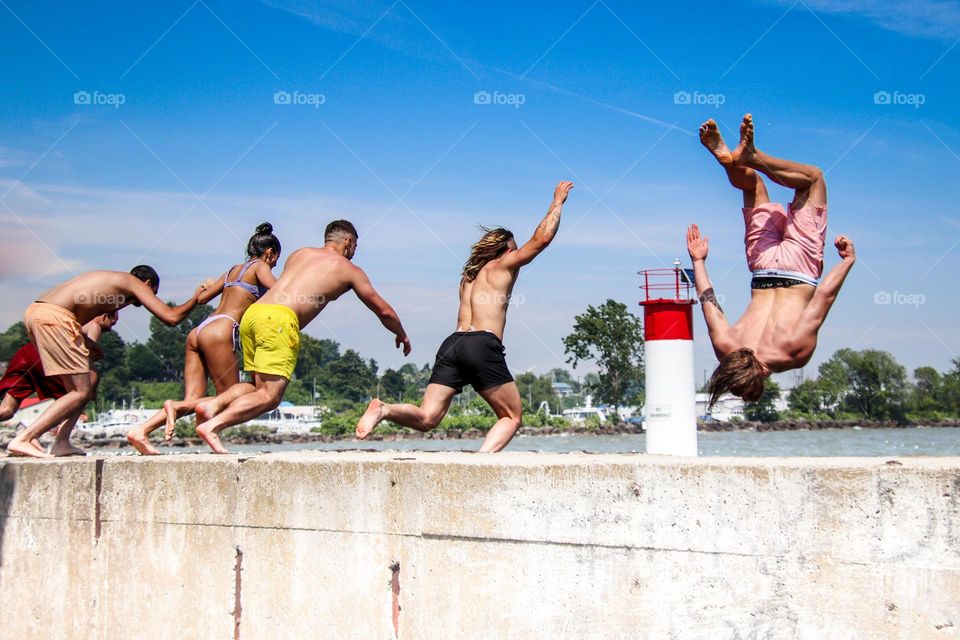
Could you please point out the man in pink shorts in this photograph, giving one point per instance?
(789, 302)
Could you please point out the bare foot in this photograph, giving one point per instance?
(171, 411)
(21, 448)
(212, 439)
(710, 138)
(141, 442)
(370, 419)
(206, 410)
(64, 449)
(746, 149)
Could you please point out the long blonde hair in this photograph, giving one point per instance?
(490, 247)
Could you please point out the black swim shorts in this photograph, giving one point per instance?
(476, 358)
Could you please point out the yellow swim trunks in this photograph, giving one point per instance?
(270, 337)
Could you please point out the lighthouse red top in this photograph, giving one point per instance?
(667, 304)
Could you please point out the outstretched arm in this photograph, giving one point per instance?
(212, 291)
(388, 317)
(717, 325)
(169, 316)
(819, 306)
(544, 234)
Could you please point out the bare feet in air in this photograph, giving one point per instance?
(370, 419)
(171, 412)
(141, 442)
(746, 149)
(63, 449)
(211, 438)
(710, 138)
(20, 448)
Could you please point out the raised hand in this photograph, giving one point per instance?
(562, 191)
(405, 342)
(697, 246)
(845, 248)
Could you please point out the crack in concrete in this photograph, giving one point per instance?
(98, 526)
(237, 608)
(395, 590)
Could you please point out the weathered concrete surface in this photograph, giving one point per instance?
(517, 545)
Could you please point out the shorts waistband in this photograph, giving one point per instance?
(260, 308)
(465, 334)
(783, 273)
(50, 307)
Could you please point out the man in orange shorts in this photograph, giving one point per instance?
(25, 375)
(53, 325)
(784, 248)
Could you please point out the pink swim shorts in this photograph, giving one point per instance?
(787, 241)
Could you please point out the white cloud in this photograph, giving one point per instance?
(939, 19)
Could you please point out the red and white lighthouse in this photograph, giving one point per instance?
(670, 416)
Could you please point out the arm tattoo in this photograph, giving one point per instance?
(710, 296)
(550, 223)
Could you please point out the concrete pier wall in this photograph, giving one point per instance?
(453, 545)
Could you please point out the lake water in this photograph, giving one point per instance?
(941, 441)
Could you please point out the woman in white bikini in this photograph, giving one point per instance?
(211, 346)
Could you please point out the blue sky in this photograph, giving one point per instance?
(151, 134)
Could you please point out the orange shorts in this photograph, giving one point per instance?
(56, 334)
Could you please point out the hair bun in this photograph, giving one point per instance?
(265, 229)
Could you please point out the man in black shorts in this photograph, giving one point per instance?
(474, 354)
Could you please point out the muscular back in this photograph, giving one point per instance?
(311, 278)
(483, 302)
(769, 326)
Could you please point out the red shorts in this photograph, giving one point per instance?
(24, 377)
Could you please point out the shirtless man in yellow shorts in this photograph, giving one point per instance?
(54, 324)
(270, 328)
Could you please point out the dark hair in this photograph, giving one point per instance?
(261, 240)
(340, 227)
(741, 373)
(146, 272)
(491, 246)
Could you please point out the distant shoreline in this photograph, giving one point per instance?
(240, 438)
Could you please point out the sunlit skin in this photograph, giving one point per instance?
(87, 296)
(483, 307)
(780, 325)
(312, 278)
(209, 353)
(61, 445)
